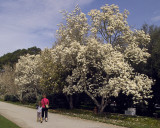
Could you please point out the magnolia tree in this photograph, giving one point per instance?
(105, 69)
(28, 76)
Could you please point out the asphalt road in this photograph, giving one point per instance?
(26, 118)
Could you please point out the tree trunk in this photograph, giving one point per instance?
(21, 97)
(101, 109)
(101, 106)
(70, 101)
(36, 93)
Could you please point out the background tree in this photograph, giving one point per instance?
(7, 86)
(152, 68)
(27, 77)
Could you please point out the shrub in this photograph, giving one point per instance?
(10, 98)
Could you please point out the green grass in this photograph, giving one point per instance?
(5, 123)
(109, 118)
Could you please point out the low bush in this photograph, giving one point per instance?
(10, 98)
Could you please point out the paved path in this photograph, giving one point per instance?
(26, 118)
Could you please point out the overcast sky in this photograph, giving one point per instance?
(28, 23)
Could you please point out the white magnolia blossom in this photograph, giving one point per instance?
(68, 58)
(27, 75)
(110, 23)
(76, 27)
(136, 54)
(69, 61)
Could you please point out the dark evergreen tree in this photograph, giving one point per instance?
(12, 58)
(152, 68)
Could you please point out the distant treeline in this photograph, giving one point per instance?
(12, 58)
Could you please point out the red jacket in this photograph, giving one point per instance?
(44, 102)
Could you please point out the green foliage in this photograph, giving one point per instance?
(53, 74)
(52, 81)
(12, 58)
(152, 68)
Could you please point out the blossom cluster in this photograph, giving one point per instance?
(76, 27)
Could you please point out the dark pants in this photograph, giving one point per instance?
(45, 111)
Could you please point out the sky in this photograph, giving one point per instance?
(29, 23)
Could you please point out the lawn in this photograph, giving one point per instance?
(5, 123)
